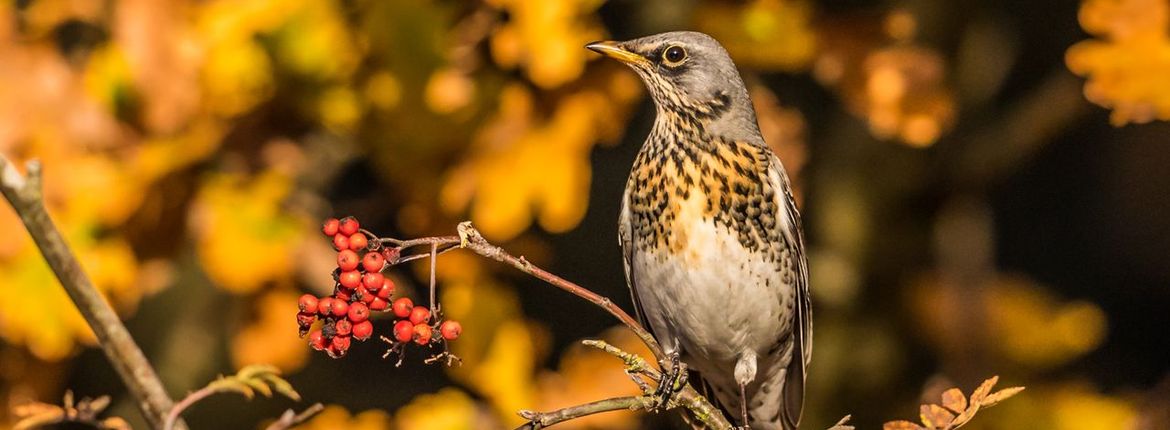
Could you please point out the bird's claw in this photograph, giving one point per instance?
(672, 380)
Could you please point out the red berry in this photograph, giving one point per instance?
(451, 329)
(363, 330)
(373, 262)
(317, 340)
(330, 226)
(358, 241)
(358, 312)
(403, 331)
(349, 225)
(307, 303)
(340, 344)
(422, 334)
(340, 242)
(402, 307)
(305, 319)
(367, 296)
(378, 304)
(340, 308)
(373, 280)
(343, 327)
(351, 279)
(343, 295)
(325, 306)
(420, 315)
(347, 260)
(387, 289)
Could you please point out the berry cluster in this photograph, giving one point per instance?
(359, 289)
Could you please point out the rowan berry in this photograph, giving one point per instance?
(340, 344)
(317, 340)
(330, 227)
(363, 330)
(378, 304)
(402, 307)
(305, 319)
(373, 280)
(343, 327)
(351, 279)
(451, 329)
(340, 308)
(348, 260)
(403, 331)
(387, 289)
(366, 295)
(340, 242)
(358, 241)
(348, 226)
(325, 306)
(422, 334)
(373, 262)
(307, 303)
(420, 315)
(358, 312)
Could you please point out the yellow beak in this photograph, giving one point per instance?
(614, 50)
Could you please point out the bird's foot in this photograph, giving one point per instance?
(672, 380)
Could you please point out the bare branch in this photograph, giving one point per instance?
(25, 195)
(539, 420)
(290, 419)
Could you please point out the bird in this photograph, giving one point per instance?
(711, 237)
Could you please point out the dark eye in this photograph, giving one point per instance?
(674, 55)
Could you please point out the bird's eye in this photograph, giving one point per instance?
(674, 56)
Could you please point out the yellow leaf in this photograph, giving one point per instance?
(1000, 396)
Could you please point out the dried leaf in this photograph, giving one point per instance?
(935, 416)
(901, 425)
(955, 400)
(983, 390)
(1000, 396)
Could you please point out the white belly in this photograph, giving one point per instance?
(711, 296)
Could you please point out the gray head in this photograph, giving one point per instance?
(689, 74)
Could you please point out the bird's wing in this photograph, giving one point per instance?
(802, 329)
(626, 240)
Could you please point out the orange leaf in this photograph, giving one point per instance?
(901, 425)
(983, 390)
(935, 416)
(954, 400)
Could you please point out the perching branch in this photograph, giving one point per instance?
(25, 195)
(539, 420)
(290, 418)
(687, 397)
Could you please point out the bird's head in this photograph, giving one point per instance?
(687, 73)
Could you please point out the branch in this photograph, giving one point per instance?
(256, 378)
(471, 239)
(290, 419)
(539, 420)
(25, 196)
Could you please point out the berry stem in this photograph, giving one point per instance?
(434, 253)
(25, 195)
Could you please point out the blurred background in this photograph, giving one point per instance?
(984, 186)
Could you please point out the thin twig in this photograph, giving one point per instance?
(290, 418)
(25, 195)
(182, 405)
(434, 253)
(539, 420)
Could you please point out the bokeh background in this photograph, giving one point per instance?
(984, 185)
